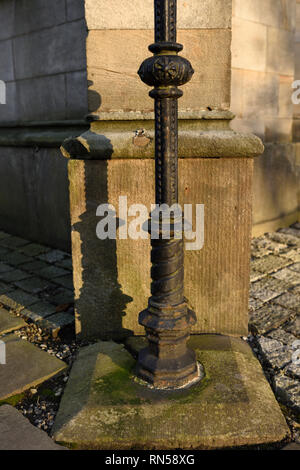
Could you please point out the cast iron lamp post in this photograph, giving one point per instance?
(167, 362)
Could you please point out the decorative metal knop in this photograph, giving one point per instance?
(167, 362)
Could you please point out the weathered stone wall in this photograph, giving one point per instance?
(42, 57)
(263, 70)
(118, 40)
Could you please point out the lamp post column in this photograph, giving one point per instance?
(167, 362)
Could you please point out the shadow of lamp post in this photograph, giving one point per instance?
(167, 362)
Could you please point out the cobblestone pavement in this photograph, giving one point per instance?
(36, 286)
(274, 316)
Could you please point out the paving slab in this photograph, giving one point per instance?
(52, 256)
(9, 322)
(277, 354)
(18, 299)
(33, 249)
(4, 288)
(270, 263)
(26, 366)
(17, 433)
(105, 407)
(15, 258)
(269, 317)
(34, 284)
(288, 275)
(51, 272)
(55, 323)
(14, 275)
(13, 242)
(288, 391)
(39, 311)
(288, 300)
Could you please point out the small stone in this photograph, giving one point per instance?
(33, 391)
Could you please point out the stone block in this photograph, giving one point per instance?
(269, 264)
(7, 12)
(268, 317)
(42, 168)
(288, 300)
(285, 104)
(57, 322)
(77, 98)
(278, 130)
(107, 14)
(18, 299)
(280, 51)
(249, 45)
(278, 355)
(50, 51)
(4, 288)
(34, 285)
(52, 256)
(208, 51)
(75, 9)
(9, 110)
(276, 186)
(34, 249)
(65, 281)
(103, 407)
(42, 98)
(46, 14)
(6, 60)
(14, 242)
(288, 275)
(288, 391)
(38, 311)
(277, 13)
(51, 272)
(17, 433)
(217, 281)
(16, 259)
(14, 275)
(26, 366)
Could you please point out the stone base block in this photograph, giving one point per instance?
(105, 407)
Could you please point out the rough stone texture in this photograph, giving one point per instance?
(216, 277)
(208, 50)
(103, 408)
(9, 322)
(16, 433)
(26, 366)
(264, 65)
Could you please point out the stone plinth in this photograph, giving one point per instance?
(112, 277)
(105, 407)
